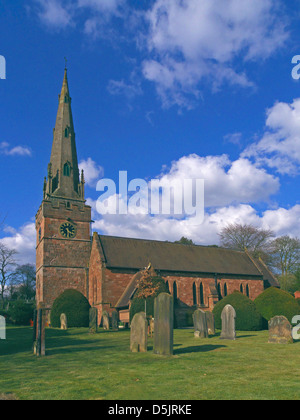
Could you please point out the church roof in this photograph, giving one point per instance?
(127, 253)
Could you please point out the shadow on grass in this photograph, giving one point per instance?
(198, 349)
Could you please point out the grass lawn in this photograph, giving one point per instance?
(100, 366)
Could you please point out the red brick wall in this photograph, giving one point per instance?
(61, 263)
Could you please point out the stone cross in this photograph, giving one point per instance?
(200, 324)
(93, 320)
(163, 324)
(228, 323)
(138, 333)
(280, 330)
(105, 320)
(210, 323)
(63, 322)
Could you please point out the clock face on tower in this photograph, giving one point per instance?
(67, 230)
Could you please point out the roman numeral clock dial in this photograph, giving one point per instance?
(67, 230)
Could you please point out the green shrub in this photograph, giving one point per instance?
(138, 304)
(275, 302)
(5, 314)
(247, 316)
(20, 312)
(74, 305)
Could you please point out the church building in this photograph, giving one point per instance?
(105, 269)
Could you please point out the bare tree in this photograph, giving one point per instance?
(285, 252)
(238, 236)
(24, 278)
(7, 264)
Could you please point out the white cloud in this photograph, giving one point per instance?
(190, 40)
(55, 13)
(7, 150)
(23, 241)
(280, 146)
(92, 171)
(226, 182)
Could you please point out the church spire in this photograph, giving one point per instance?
(63, 173)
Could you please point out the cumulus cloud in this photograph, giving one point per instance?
(7, 150)
(279, 147)
(92, 171)
(191, 40)
(23, 241)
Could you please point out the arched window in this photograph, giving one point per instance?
(247, 291)
(67, 169)
(175, 292)
(225, 290)
(219, 291)
(201, 294)
(167, 286)
(66, 132)
(241, 288)
(194, 294)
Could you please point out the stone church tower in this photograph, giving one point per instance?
(63, 219)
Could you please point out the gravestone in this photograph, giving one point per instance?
(280, 330)
(210, 319)
(63, 322)
(93, 320)
(105, 320)
(228, 317)
(200, 324)
(2, 328)
(138, 333)
(163, 324)
(115, 320)
(39, 345)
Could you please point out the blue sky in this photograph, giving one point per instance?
(163, 88)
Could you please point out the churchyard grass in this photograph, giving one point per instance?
(80, 365)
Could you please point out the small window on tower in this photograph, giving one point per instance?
(67, 169)
(66, 99)
(40, 234)
(66, 132)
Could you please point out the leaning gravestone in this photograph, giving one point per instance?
(63, 322)
(280, 330)
(228, 317)
(105, 320)
(93, 320)
(163, 324)
(200, 324)
(114, 320)
(210, 323)
(138, 333)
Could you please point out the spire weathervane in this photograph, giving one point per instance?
(66, 61)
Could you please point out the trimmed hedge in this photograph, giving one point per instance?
(20, 313)
(138, 304)
(74, 305)
(248, 317)
(275, 302)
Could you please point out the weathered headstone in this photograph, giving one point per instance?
(2, 328)
(163, 324)
(151, 326)
(93, 320)
(39, 346)
(200, 324)
(210, 319)
(115, 320)
(105, 320)
(138, 333)
(228, 317)
(63, 322)
(280, 330)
